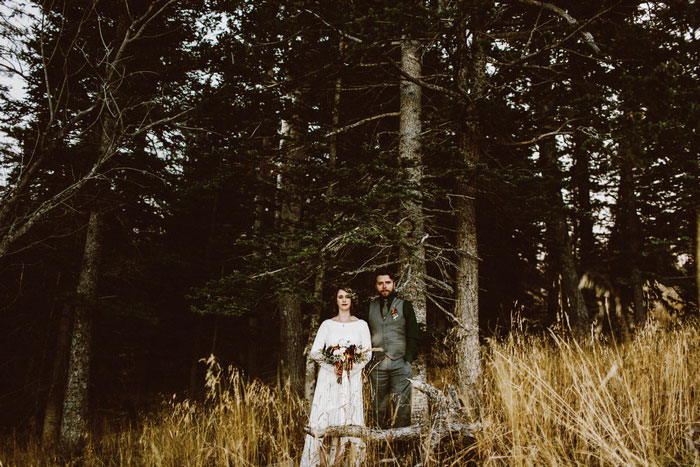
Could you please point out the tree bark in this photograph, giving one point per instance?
(560, 240)
(412, 254)
(310, 370)
(584, 228)
(256, 325)
(467, 290)
(467, 276)
(292, 337)
(75, 405)
(471, 74)
(631, 237)
(289, 299)
(697, 254)
(54, 398)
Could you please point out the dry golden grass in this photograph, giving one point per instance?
(557, 401)
(544, 401)
(241, 423)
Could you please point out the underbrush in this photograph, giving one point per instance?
(544, 400)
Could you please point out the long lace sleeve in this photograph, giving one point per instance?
(317, 348)
(366, 343)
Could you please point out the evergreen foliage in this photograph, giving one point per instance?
(201, 167)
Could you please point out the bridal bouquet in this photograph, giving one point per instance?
(344, 357)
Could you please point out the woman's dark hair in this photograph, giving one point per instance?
(351, 294)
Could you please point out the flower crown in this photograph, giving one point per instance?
(351, 293)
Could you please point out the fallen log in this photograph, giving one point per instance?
(447, 419)
(366, 433)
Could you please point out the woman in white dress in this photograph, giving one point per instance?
(337, 403)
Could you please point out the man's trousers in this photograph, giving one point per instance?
(389, 379)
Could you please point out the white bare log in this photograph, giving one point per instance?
(447, 420)
(373, 434)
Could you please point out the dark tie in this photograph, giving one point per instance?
(385, 308)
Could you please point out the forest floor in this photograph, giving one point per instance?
(545, 400)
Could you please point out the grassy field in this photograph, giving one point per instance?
(545, 400)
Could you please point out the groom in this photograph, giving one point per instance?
(392, 323)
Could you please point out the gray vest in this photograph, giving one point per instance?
(388, 333)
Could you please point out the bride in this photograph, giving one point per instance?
(337, 403)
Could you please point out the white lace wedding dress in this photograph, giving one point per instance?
(337, 404)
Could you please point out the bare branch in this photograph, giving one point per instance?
(17, 230)
(360, 122)
(532, 31)
(542, 136)
(452, 316)
(587, 36)
(162, 121)
(26, 176)
(133, 32)
(112, 130)
(432, 87)
(337, 29)
(13, 70)
(147, 19)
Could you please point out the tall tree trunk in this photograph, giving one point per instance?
(75, 404)
(560, 239)
(553, 302)
(631, 237)
(255, 323)
(310, 371)
(584, 227)
(697, 254)
(292, 337)
(471, 75)
(289, 299)
(201, 322)
(412, 259)
(54, 398)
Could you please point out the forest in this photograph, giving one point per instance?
(184, 185)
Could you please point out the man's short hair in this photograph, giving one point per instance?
(383, 272)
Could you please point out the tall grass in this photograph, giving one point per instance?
(241, 423)
(545, 400)
(557, 401)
